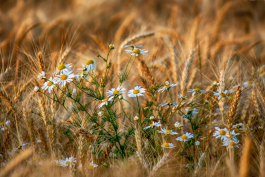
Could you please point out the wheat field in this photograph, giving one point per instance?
(132, 88)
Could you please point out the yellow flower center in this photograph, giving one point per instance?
(151, 125)
(135, 91)
(91, 166)
(67, 162)
(63, 77)
(169, 102)
(230, 98)
(61, 67)
(197, 90)
(49, 83)
(106, 99)
(184, 137)
(232, 143)
(261, 71)
(116, 91)
(166, 86)
(234, 88)
(249, 82)
(168, 131)
(1, 123)
(222, 94)
(136, 50)
(166, 145)
(89, 61)
(222, 132)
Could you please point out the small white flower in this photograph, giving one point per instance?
(154, 124)
(220, 133)
(67, 161)
(240, 126)
(136, 118)
(166, 86)
(167, 145)
(169, 103)
(231, 78)
(63, 68)
(119, 90)
(111, 46)
(197, 143)
(100, 113)
(234, 88)
(49, 84)
(230, 143)
(90, 65)
(248, 83)
(82, 75)
(185, 137)
(178, 125)
(104, 102)
(36, 88)
(182, 97)
(64, 78)
(92, 165)
(137, 91)
(261, 69)
(232, 135)
(120, 97)
(221, 94)
(196, 90)
(152, 117)
(41, 75)
(165, 131)
(137, 51)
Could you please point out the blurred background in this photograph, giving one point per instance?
(221, 27)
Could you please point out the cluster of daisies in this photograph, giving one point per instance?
(228, 138)
(65, 75)
(71, 160)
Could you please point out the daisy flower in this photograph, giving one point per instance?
(119, 90)
(104, 102)
(136, 118)
(137, 51)
(154, 124)
(220, 133)
(197, 143)
(178, 125)
(169, 103)
(63, 68)
(152, 117)
(196, 90)
(67, 161)
(240, 126)
(137, 91)
(185, 137)
(232, 135)
(90, 65)
(36, 88)
(261, 70)
(167, 85)
(165, 131)
(221, 94)
(64, 78)
(82, 75)
(41, 75)
(230, 143)
(92, 165)
(167, 145)
(248, 83)
(234, 88)
(49, 84)
(111, 46)
(100, 113)
(182, 97)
